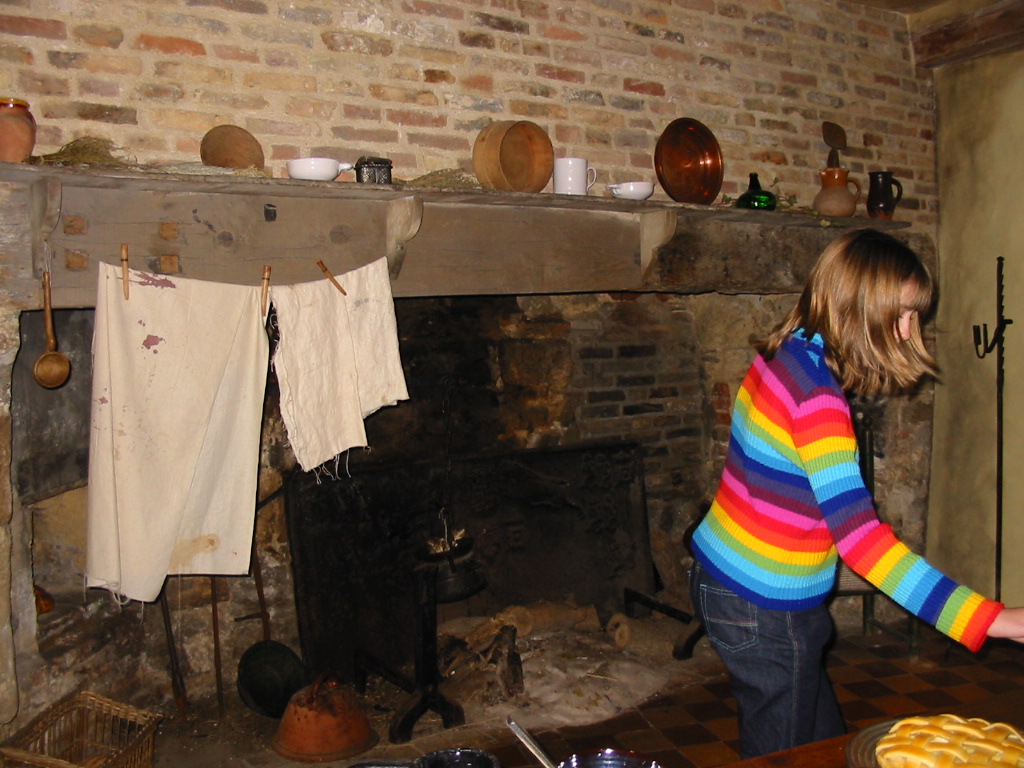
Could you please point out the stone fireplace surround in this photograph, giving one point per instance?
(650, 352)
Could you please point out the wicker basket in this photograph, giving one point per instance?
(84, 729)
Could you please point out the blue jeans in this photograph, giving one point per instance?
(776, 664)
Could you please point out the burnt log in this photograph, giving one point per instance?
(486, 657)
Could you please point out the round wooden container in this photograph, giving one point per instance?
(513, 156)
(229, 146)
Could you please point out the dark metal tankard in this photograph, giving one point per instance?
(881, 199)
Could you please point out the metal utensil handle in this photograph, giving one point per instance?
(531, 744)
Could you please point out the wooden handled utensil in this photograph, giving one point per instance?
(52, 368)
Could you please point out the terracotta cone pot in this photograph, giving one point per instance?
(323, 722)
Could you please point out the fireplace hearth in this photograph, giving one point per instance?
(562, 525)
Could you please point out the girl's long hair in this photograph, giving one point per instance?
(853, 299)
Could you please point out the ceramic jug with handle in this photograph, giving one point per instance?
(835, 197)
(884, 194)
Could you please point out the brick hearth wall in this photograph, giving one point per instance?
(416, 81)
(659, 370)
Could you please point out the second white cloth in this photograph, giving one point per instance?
(337, 360)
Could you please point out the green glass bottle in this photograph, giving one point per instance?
(755, 197)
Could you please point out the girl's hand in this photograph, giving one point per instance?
(1009, 624)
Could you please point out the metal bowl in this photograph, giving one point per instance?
(459, 758)
(443, 758)
(608, 758)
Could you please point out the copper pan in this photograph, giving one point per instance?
(688, 161)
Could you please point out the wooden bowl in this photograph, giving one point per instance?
(228, 146)
(513, 156)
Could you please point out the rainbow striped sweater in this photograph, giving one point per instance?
(792, 498)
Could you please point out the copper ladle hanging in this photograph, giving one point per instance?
(52, 368)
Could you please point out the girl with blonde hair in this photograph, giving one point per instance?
(792, 500)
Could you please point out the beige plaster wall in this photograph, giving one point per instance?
(981, 123)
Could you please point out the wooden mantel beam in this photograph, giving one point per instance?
(473, 244)
(227, 228)
(218, 228)
(994, 28)
(437, 242)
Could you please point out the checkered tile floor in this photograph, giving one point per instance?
(874, 678)
(684, 727)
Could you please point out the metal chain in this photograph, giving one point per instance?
(446, 411)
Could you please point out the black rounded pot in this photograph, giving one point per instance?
(458, 575)
(443, 758)
(269, 674)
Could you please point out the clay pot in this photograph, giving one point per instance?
(323, 722)
(835, 197)
(17, 131)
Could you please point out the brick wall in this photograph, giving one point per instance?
(417, 80)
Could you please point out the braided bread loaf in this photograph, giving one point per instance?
(948, 741)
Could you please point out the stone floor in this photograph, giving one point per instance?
(688, 723)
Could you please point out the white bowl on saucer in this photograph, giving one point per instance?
(316, 168)
(632, 190)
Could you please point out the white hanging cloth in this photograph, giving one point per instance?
(179, 375)
(337, 360)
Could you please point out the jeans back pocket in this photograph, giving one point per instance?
(731, 621)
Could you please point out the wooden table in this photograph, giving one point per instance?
(831, 753)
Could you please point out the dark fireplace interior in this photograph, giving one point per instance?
(560, 525)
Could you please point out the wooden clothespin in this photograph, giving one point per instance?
(124, 270)
(266, 288)
(335, 283)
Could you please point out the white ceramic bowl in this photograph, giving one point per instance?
(316, 168)
(632, 190)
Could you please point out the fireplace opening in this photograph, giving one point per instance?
(529, 384)
(564, 526)
(538, 373)
(560, 525)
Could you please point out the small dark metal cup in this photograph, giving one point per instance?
(373, 170)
